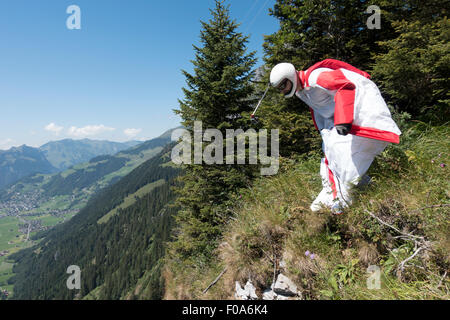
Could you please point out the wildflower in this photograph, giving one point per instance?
(312, 256)
(307, 253)
(442, 165)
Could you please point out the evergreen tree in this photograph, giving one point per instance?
(313, 30)
(413, 69)
(218, 95)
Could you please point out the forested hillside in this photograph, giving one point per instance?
(120, 258)
(54, 156)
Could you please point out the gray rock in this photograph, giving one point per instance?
(250, 290)
(248, 293)
(240, 293)
(284, 286)
(268, 294)
(281, 297)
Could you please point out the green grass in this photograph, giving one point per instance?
(132, 163)
(5, 267)
(13, 241)
(56, 203)
(8, 232)
(170, 164)
(5, 274)
(273, 222)
(67, 173)
(49, 220)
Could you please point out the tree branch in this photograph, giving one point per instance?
(215, 280)
(392, 227)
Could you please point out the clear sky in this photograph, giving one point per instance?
(117, 78)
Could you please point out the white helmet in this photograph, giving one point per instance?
(281, 72)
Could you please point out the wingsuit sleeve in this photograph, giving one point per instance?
(344, 97)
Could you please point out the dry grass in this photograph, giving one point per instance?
(273, 224)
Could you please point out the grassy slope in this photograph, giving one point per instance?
(131, 199)
(13, 241)
(273, 223)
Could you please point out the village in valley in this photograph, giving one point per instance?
(22, 215)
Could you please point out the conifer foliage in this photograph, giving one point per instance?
(217, 94)
(413, 67)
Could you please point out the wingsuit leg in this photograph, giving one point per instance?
(325, 197)
(347, 159)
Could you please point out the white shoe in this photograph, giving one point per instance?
(324, 199)
(336, 208)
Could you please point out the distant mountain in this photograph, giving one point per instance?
(19, 162)
(104, 169)
(65, 153)
(150, 144)
(72, 188)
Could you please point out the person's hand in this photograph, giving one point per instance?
(254, 119)
(344, 128)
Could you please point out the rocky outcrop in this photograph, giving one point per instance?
(248, 293)
(284, 286)
(282, 289)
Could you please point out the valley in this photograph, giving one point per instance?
(39, 202)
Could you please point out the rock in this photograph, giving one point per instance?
(284, 286)
(282, 289)
(240, 293)
(268, 294)
(250, 290)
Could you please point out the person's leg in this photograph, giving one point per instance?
(349, 158)
(325, 197)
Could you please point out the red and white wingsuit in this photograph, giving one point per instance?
(338, 93)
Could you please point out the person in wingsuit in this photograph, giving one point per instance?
(352, 117)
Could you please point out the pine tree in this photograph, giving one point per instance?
(217, 94)
(414, 66)
(313, 30)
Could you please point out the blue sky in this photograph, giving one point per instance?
(117, 78)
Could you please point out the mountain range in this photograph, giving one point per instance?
(65, 153)
(54, 156)
(22, 161)
(70, 189)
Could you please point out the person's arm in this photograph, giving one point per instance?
(344, 98)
